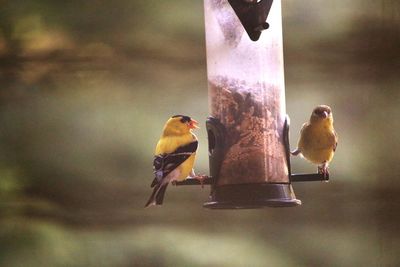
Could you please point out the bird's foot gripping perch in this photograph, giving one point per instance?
(193, 180)
(201, 179)
(323, 169)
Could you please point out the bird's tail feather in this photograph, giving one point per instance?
(154, 183)
(157, 196)
(160, 195)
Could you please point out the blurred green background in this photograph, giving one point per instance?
(85, 87)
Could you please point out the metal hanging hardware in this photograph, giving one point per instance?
(253, 15)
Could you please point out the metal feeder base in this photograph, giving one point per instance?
(252, 196)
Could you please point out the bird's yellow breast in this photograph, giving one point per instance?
(317, 143)
(168, 144)
(186, 167)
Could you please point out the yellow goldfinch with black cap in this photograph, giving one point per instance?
(318, 139)
(174, 156)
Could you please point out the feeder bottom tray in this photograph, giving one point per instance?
(252, 196)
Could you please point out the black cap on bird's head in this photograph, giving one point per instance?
(191, 123)
(184, 119)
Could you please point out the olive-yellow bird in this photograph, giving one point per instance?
(174, 156)
(318, 139)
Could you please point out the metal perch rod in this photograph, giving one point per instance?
(301, 177)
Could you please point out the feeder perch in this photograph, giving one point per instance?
(248, 130)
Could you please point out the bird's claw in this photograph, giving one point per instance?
(324, 171)
(201, 179)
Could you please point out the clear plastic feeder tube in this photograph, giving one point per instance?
(247, 95)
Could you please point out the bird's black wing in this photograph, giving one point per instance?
(164, 164)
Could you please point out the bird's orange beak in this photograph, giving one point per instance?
(193, 124)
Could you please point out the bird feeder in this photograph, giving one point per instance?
(248, 128)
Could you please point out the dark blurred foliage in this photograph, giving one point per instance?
(85, 88)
